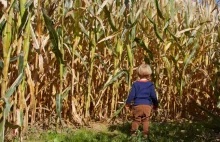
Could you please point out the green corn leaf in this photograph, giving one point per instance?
(102, 6)
(15, 58)
(12, 5)
(12, 59)
(124, 32)
(7, 108)
(21, 63)
(7, 39)
(133, 33)
(130, 55)
(53, 37)
(122, 10)
(110, 19)
(2, 127)
(66, 91)
(58, 105)
(1, 64)
(21, 56)
(117, 112)
(173, 36)
(59, 101)
(12, 126)
(155, 27)
(8, 105)
(83, 61)
(175, 61)
(133, 24)
(67, 5)
(177, 42)
(34, 38)
(188, 59)
(142, 44)
(168, 66)
(166, 25)
(172, 8)
(192, 36)
(24, 21)
(29, 4)
(158, 9)
(11, 90)
(2, 25)
(115, 77)
(102, 26)
(82, 27)
(65, 72)
(119, 48)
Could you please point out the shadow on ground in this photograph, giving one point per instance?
(174, 131)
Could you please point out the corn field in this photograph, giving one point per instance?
(70, 62)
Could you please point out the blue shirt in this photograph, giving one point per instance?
(142, 92)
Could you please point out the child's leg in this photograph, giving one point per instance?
(146, 119)
(137, 113)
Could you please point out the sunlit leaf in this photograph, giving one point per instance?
(115, 77)
(155, 27)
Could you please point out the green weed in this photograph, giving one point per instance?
(159, 132)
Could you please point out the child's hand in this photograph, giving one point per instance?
(128, 112)
(127, 108)
(155, 108)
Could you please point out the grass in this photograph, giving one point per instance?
(159, 132)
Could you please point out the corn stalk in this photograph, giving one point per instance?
(105, 41)
(6, 106)
(7, 40)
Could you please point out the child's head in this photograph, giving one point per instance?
(144, 71)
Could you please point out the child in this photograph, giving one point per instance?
(143, 94)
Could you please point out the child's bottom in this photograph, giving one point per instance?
(141, 114)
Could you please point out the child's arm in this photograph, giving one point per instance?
(131, 96)
(154, 97)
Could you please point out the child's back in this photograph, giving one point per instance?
(144, 96)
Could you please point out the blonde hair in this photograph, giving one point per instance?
(144, 70)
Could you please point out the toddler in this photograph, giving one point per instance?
(144, 97)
